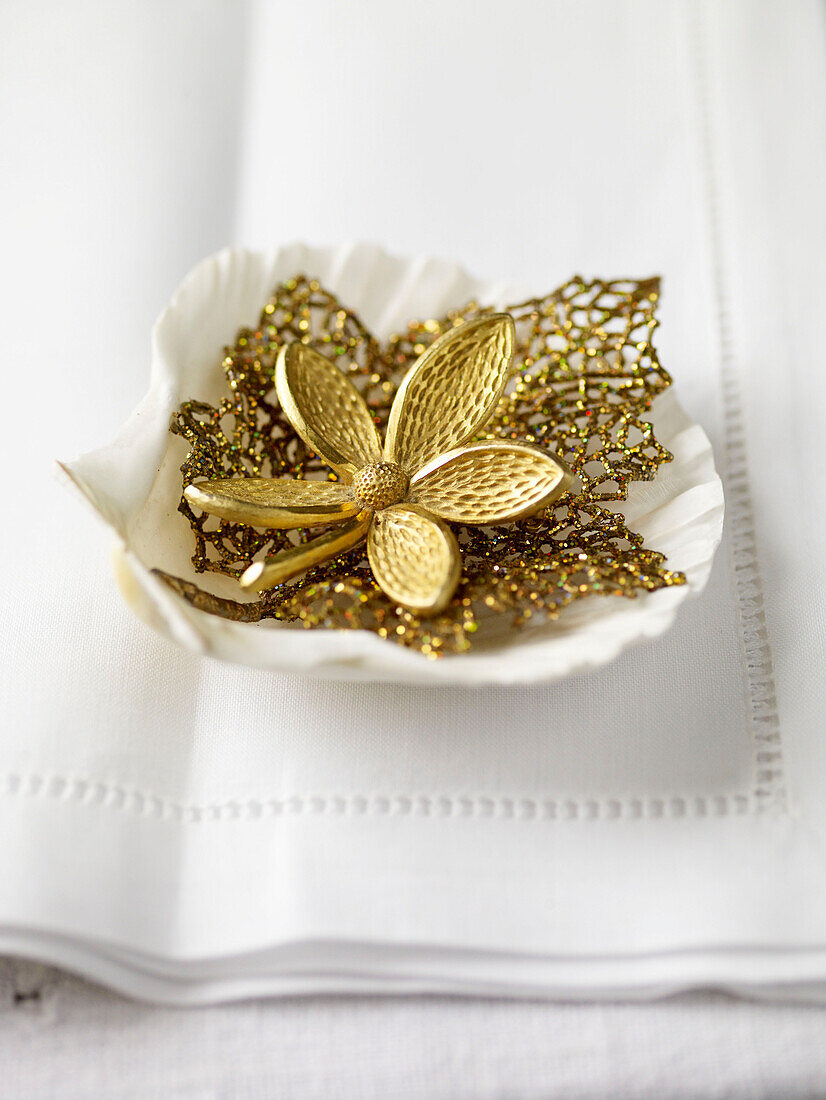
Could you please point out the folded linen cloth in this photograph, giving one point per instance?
(190, 831)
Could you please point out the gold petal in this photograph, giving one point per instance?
(414, 557)
(490, 482)
(264, 574)
(284, 502)
(450, 391)
(326, 410)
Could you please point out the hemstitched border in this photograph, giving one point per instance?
(769, 792)
(147, 804)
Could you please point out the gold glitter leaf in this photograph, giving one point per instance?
(583, 374)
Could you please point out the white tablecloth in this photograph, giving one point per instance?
(61, 1038)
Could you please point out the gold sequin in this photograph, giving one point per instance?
(583, 377)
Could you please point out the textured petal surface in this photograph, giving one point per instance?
(490, 482)
(273, 502)
(414, 557)
(450, 391)
(264, 574)
(326, 410)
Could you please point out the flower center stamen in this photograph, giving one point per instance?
(380, 485)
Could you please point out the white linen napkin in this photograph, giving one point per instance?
(191, 831)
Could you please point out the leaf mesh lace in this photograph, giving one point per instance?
(584, 374)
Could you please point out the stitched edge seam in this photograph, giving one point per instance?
(769, 782)
(147, 804)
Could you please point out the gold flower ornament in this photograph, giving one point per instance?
(397, 495)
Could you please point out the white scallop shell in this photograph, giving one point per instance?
(134, 484)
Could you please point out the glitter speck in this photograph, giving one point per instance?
(589, 408)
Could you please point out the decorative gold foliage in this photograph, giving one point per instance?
(414, 557)
(451, 393)
(490, 482)
(583, 376)
(326, 410)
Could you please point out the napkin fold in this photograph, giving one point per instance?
(192, 831)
